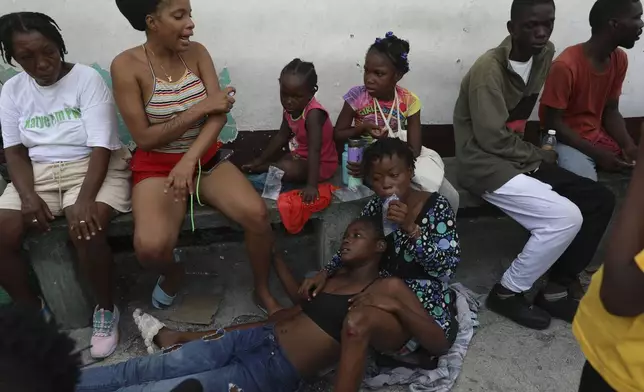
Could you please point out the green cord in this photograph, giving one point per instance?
(192, 204)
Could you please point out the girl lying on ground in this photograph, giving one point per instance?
(355, 310)
(423, 249)
(313, 157)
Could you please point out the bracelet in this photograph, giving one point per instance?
(415, 233)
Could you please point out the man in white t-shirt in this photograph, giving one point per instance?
(59, 131)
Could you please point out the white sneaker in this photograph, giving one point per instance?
(105, 336)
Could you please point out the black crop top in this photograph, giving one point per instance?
(328, 311)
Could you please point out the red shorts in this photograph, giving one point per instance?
(151, 164)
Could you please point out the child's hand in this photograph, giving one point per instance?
(310, 194)
(379, 133)
(371, 129)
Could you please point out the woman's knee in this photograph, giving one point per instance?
(255, 217)
(11, 231)
(97, 242)
(358, 324)
(152, 249)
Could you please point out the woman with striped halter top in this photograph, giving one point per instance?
(168, 93)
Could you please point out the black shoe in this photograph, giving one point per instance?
(576, 290)
(517, 309)
(563, 309)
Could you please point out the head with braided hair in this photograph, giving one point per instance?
(388, 166)
(298, 85)
(166, 22)
(386, 63)
(34, 41)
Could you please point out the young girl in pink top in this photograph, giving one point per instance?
(313, 157)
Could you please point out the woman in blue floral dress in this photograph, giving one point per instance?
(423, 248)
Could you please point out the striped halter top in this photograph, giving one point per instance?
(171, 98)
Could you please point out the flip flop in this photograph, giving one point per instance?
(160, 299)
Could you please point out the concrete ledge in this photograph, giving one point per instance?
(53, 257)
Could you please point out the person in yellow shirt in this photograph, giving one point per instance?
(609, 323)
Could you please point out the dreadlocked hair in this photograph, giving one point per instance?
(304, 69)
(34, 355)
(396, 49)
(519, 6)
(387, 148)
(135, 11)
(25, 22)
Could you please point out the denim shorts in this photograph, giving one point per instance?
(250, 360)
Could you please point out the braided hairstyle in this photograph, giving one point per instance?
(135, 11)
(396, 50)
(304, 69)
(387, 148)
(25, 22)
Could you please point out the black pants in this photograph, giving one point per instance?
(596, 204)
(591, 381)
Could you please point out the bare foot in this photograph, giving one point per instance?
(166, 338)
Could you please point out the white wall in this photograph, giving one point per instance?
(256, 38)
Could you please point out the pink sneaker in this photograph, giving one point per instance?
(105, 336)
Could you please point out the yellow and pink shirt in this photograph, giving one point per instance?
(362, 104)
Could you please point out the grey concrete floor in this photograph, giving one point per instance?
(502, 356)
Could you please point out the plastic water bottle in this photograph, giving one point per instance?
(550, 141)
(387, 225)
(345, 159)
(273, 185)
(355, 150)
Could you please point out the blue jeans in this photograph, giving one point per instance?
(250, 359)
(576, 161)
